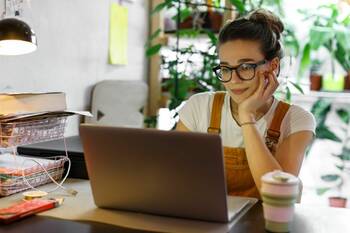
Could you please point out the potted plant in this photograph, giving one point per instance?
(329, 30)
(321, 109)
(315, 75)
(335, 180)
(342, 52)
(195, 17)
(183, 72)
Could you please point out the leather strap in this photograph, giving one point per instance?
(273, 133)
(215, 119)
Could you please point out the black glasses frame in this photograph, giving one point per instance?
(217, 68)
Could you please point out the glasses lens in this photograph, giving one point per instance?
(224, 73)
(246, 71)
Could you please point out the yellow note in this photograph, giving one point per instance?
(118, 38)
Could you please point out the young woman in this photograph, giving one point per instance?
(259, 133)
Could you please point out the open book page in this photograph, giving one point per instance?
(40, 115)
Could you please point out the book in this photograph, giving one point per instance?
(39, 115)
(22, 103)
(26, 208)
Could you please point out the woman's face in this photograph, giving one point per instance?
(234, 53)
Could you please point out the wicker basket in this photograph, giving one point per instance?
(22, 132)
(33, 131)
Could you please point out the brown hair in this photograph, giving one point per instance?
(259, 25)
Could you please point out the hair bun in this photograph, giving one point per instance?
(268, 18)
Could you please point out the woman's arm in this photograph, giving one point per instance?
(289, 154)
(291, 151)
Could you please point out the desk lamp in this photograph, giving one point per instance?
(16, 36)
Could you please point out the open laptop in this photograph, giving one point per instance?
(179, 174)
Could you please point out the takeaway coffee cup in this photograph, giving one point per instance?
(279, 192)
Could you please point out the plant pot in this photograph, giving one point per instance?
(215, 20)
(333, 83)
(212, 20)
(347, 81)
(339, 202)
(315, 82)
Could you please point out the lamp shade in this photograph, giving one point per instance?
(16, 37)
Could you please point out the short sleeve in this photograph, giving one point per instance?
(194, 110)
(298, 119)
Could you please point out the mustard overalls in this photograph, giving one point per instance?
(239, 179)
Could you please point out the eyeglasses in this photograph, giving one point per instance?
(244, 71)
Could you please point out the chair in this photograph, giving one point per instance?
(118, 103)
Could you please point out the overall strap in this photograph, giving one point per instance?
(215, 119)
(273, 133)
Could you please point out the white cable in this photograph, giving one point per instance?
(58, 185)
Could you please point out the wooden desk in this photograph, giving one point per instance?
(38, 224)
(85, 216)
(327, 220)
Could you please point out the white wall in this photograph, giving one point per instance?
(73, 51)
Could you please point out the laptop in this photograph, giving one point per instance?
(169, 173)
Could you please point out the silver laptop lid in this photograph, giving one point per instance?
(160, 172)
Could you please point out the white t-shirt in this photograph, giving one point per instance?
(196, 113)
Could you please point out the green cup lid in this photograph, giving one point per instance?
(279, 177)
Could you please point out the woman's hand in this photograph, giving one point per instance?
(249, 107)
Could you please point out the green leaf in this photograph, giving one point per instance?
(290, 41)
(212, 37)
(346, 21)
(344, 115)
(323, 132)
(288, 94)
(155, 34)
(345, 154)
(184, 14)
(190, 32)
(319, 36)
(341, 168)
(342, 56)
(159, 7)
(305, 59)
(150, 121)
(320, 110)
(217, 3)
(297, 87)
(184, 86)
(342, 35)
(153, 50)
(321, 191)
(239, 6)
(330, 177)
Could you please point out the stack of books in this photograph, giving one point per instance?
(27, 118)
(26, 106)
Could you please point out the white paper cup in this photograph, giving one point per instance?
(279, 193)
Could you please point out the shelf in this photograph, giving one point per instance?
(312, 96)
